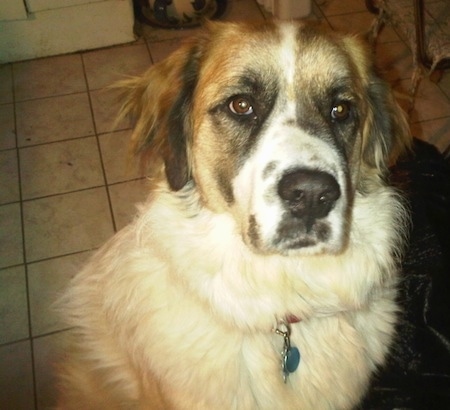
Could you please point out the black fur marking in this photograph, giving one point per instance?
(314, 116)
(383, 126)
(237, 135)
(253, 231)
(292, 233)
(224, 185)
(179, 128)
(269, 168)
(241, 131)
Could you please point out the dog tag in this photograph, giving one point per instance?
(291, 360)
(290, 356)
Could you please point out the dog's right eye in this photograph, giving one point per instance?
(240, 106)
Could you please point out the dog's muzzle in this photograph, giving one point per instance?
(308, 195)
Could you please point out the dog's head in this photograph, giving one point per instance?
(278, 124)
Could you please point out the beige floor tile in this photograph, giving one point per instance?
(60, 167)
(388, 35)
(16, 377)
(444, 83)
(13, 305)
(436, 132)
(124, 198)
(105, 67)
(163, 49)
(65, 224)
(11, 248)
(316, 15)
(119, 164)
(9, 177)
(53, 119)
(7, 134)
(106, 104)
(355, 23)
(268, 14)
(46, 281)
(47, 354)
(394, 60)
(50, 76)
(336, 7)
(6, 89)
(242, 10)
(430, 102)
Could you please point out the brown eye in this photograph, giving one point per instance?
(340, 111)
(240, 106)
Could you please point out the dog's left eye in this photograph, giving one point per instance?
(240, 106)
(340, 111)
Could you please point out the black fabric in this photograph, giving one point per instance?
(417, 375)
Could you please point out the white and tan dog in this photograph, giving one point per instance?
(270, 232)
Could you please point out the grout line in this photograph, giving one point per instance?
(27, 283)
(131, 179)
(63, 193)
(152, 61)
(15, 265)
(63, 255)
(40, 144)
(105, 180)
(52, 333)
(37, 144)
(13, 342)
(49, 258)
(46, 97)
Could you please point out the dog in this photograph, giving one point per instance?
(261, 272)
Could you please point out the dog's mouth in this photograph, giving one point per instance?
(293, 233)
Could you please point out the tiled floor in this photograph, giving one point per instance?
(65, 186)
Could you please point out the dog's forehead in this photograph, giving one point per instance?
(292, 54)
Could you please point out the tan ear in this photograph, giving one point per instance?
(159, 104)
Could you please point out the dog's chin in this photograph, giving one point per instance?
(292, 237)
(296, 244)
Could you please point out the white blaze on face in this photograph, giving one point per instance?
(288, 53)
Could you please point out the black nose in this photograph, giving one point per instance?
(309, 194)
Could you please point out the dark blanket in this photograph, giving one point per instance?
(418, 372)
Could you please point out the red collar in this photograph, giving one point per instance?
(292, 319)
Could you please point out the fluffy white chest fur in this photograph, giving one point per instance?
(176, 301)
(271, 205)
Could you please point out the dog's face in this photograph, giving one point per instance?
(277, 124)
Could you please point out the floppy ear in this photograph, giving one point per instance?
(159, 104)
(387, 133)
